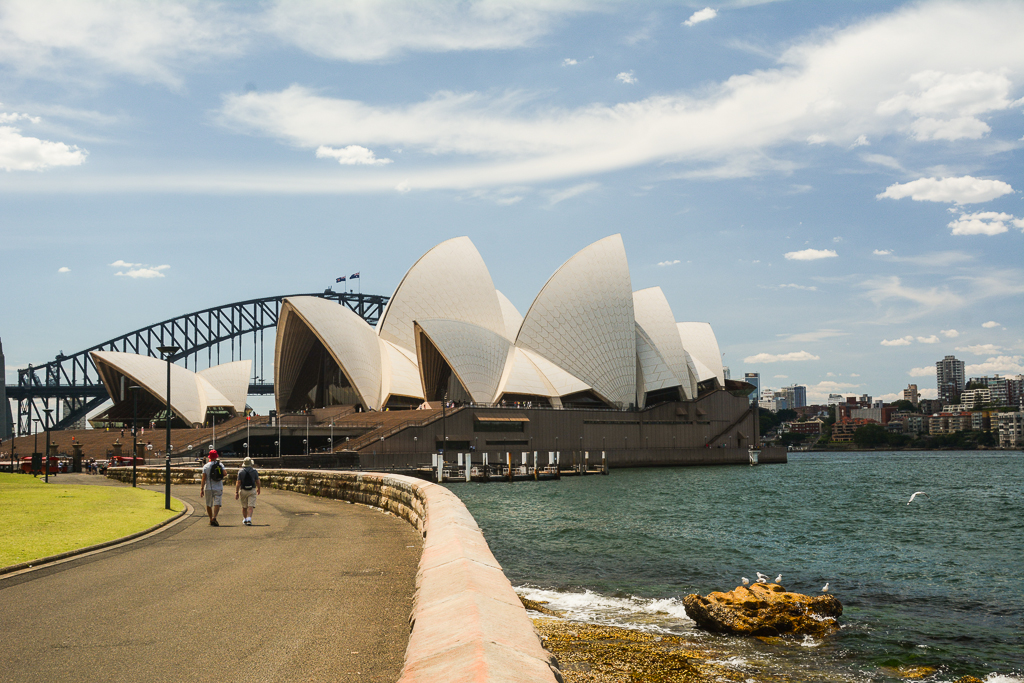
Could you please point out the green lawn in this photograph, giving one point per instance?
(38, 520)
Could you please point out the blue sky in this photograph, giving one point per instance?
(836, 187)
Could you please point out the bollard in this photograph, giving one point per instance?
(604, 464)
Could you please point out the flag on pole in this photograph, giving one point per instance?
(353, 276)
(340, 279)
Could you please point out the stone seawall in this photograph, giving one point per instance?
(467, 623)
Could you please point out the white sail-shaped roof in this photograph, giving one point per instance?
(700, 342)
(449, 282)
(191, 394)
(654, 373)
(582, 321)
(352, 343)
(476, 355)
(654, 315)
(401, 376)
(563, 382)
(513, 318)
(231, 380)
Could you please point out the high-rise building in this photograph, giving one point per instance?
(911, 394)
(835, 399)
(796, 396)
(755, 379)
(949, 377)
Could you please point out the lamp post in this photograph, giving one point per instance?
(35, 438)
(306, 440)
(135, 427)
(278, 442)
(248, 421)
(46, 455)
(168, 352)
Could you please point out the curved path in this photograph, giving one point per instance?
(317, 589)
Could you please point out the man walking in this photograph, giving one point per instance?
(212, 486)
(247, 487)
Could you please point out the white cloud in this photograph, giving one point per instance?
(124, 264)
(1007, 365)
(947, 105)
(809, 288)
(24, 153)
(353, 155)
(811, 254)
(571, 192)
(984, 223)
(962, 190)
(568, 61)
(980, 349)
(701, 15)
(990, 324)
(149, 41)
(816, 139)
(144, 273)
(928, 340)
(812, 337)
(949, 334)
(829, 84)
(926, 371)
(626, 77)
(64, 269)
(374, 31)
(882, 252)
(854, 374)
(882, 160)
(899, 341)
(781, 357)
(891, 287)
(668, 263)
(861, 141)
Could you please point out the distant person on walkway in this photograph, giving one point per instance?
(247, 487)
(212, 486)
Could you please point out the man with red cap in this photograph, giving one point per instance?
(212, 486)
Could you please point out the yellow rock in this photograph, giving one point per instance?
(765, 609)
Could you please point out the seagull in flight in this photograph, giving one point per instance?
(916, 494)
(824, 589)
(745, 580)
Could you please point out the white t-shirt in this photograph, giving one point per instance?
(210, 483)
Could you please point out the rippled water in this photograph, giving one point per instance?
(934, 583)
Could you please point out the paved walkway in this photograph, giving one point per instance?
(316, 590)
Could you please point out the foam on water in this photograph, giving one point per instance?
(664, 615)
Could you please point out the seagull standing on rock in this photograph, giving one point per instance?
(745, 580)
(761, 578)
(824, 589)
(778, 579)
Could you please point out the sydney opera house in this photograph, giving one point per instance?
(591, 367)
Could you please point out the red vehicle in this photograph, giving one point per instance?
(26, 464)
(124, 460)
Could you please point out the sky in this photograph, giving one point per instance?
(836, 187)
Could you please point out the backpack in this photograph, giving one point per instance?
(217, 472)
(248, 479)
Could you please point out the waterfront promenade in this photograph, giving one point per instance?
(317, 589)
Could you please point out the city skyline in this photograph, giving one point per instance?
(843, 208)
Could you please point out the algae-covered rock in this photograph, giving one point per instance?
(765, 609)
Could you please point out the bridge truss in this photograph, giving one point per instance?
(73, 385)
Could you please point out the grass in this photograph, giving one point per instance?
(38, 520)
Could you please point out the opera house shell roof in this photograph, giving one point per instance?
(587, 340)
(192, 393)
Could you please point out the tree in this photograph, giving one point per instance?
(871, 436)
(905, 406)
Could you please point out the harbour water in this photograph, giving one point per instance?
(937, 583)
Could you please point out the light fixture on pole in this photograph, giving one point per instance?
(306, 440)
(135, 427)
(248, 421)
(46, 454)
(35, 440)
(168, 352)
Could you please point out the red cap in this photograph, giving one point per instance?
(213, 455)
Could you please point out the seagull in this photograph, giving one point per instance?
(778, 579)
(824, 589)
(745, 580)
(916, 494)
(761, 578)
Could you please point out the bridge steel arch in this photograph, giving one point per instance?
(73, 383)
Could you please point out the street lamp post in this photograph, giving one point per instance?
(46, 455)
(306, 441)
(248, 421)
(168, 352)
(35, 438)
(135, 427)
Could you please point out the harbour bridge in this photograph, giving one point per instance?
(70, 386)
